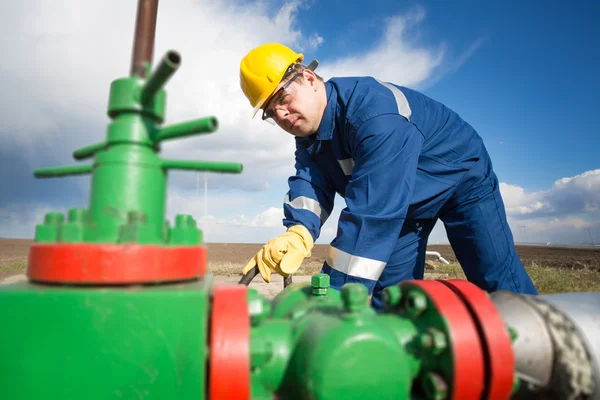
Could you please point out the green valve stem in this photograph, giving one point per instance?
(203, 166)
(166, 68)
(197, 126)
(52, 172)
(88, 151)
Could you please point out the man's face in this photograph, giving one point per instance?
(295, 106)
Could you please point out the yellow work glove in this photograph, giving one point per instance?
(283, 254)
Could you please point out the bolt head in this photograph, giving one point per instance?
(54, 218)
(184, 221)
(320, 281)
(355, 296)
(434, 386)
(416, 303)
(77, 215)
(435, 340)
(391, 296)
(259, 307)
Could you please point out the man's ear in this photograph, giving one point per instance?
(310, 77)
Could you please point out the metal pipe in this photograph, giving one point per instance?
(438, 255)
(166, 68)
(143, 42)
(557, 348)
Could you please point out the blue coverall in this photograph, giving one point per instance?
(401, 161)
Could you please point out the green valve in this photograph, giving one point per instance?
(128, 179)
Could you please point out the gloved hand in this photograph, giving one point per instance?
(283, 254)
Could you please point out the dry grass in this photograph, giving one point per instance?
(547, 280)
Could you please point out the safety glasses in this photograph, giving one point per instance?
(280, 99)
(284, 95)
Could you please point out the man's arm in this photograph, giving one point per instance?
(307, 205)
(310, 198)
(386, 151)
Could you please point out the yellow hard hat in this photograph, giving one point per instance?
(262, 69)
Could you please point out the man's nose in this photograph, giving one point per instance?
(281, 113)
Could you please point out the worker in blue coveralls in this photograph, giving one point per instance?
(399, 159)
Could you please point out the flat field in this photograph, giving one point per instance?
(552, 269)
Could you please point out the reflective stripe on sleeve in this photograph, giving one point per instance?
(305, 203)
(401, 101)
(356, 266)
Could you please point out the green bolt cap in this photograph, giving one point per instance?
(434, 340)
(77, 215)
(259, 308)
(319, 284)
(355, 297)
(391, 296)
(54, 218)
(434, 386)
(184, 221)
(416, 303)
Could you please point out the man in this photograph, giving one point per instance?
(399, 159)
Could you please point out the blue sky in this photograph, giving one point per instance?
(524, 76)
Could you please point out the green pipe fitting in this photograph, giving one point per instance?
(194, 127)
(223, 167)
(167, 66)
(53, 172)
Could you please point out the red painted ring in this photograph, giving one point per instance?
(229, 360)
(467, 352)
(85, 263)
(500, 359)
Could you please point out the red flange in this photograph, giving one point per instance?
(229, 361)
(500, 359)
(85, 263)
(467, 352)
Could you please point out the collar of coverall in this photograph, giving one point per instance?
(327, 125)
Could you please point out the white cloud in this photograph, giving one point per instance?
(568, 212)
(315, 41)
(568, 196)
(395, 58)
(517, 202)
